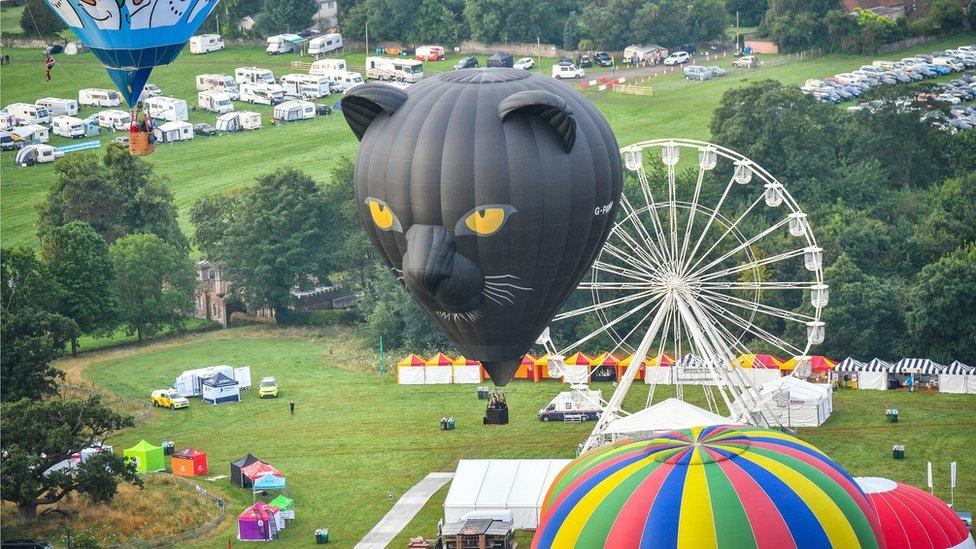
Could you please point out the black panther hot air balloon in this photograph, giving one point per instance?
(489, 193)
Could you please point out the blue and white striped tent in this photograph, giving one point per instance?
(918, 366)
(959, 369)
(849, 365)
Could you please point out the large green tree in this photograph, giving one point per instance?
(940, 319)
(391, 314)
(38, 434)
(39, 20)
(750, 11)
(288, 15)
(516, 20)
(153, 284)
(78, 261)
(117, 195)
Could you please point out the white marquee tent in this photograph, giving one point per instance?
(922, 366)
(958, 378)
(797, 403)
(515, 485)
(667, 415)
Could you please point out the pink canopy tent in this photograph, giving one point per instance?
(257, 523)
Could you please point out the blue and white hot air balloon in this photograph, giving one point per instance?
(130, 37)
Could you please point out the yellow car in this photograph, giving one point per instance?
(168, 398)
(268, 388)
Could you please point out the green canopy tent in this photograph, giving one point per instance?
(148, 458)
(285, 505)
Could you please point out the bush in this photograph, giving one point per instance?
(334, 317)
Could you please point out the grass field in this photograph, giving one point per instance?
(207, 165)
(356, 435)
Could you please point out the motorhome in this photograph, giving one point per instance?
(214, 101)
(335, 70)
(96, 97)
(399, 70)
(167, 108)
(260, 93)
(37, 154)
(430, 53)
(327, 43)
(305, 86)
(253, 75)
(171, 132)
(206, 43)
(283, 43)
(345, 81)
(29, 114)
(291, 111)
(326, 67)
(57, 106)
(114, 119)
(68, 126)
(220, 83)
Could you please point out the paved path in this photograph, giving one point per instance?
(402, 513)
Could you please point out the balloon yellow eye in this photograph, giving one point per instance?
(484, 220)
(382, 215)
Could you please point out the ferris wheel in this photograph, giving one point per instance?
(711, 258)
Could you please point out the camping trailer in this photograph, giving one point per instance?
(229, 122)
(189, 382)
(305, 86)
(345, 81)
(430, 53)
(327, 43)
(215, 101)
(37, 154)
(220, 83)
(32, 133)
(7, 119)
(249, 120)
(166, 108)
(263, 94)
(400, 70)
(206, 43)
(68, 126)
(97, 97)
(176, 130)
(325, 67)
(254, 75)
(115, 119)
(57, 106)
(283, 43)
(29, 114)
(291, 111)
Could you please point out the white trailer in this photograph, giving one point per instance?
(57, 106)
(206, 43)
(97, 97)
(25, 113)
(37, 154)
(31, 133)
(324, 67)
(253, 75)
(291, 111)
(346, 80)
(283, 43)
(249, 120)
(189, 383)
(171, 132)
(215, 101)
(262, 94)
(115, 119)
(219, 82)
(397, 70)
(306, 86)
(68, 126)
(327, 43)
(167, 108)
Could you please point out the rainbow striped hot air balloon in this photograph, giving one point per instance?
(130, 37)
(720, 486)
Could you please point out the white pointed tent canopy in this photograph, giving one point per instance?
(706, 265)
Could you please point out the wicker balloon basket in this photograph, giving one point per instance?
(139, 144)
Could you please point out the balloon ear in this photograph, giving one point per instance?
(362, 104)
(545, 106)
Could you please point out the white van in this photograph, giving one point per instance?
(218, 82)
(115, 119)
(206, 43)
(345, 81)
(68, 126)
(263, 94)
(949, 62)
(327, 43)
(167, 108)
(29, 114)
(325, 67)
(215, 101)
(97, 97)
(57, 106)
(398, 70)
(283, 43)
(567, 70)
(305, 86)
(290, 111)
(254, 75)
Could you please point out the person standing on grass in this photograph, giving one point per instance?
(291, 406)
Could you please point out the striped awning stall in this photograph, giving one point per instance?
(959, 369)
(877, 365)
(850, 365)
(690, 361)
(918, 366)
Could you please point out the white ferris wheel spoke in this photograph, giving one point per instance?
(647, 294)
(672, 211)
(614, 322)
(769, 310)
(751, 328)
(730, 229)
(627, 259)
(620, 271)
(753, 264)
(654, 244)
(743, 244)
(652, 211)
(649, 252)
(761, 285)
(711, 218)
(691, 215)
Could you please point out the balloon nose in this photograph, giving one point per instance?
(434, 271)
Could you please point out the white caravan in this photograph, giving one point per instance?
(249, 120)
(305, 86)
(189, 383)
(327, 43)
(254, 75)
(31, 133)
(74, 48)
(68, 126)
(26, 113)
(215, 101)
(325, 67)
(206, 43)
(167, 108)
(283, 43)
(57, 106)
(171, 132)
(291, 111)
(37, 154)
(97, 97)
(262, 94)
(7, 120)
(345, 81)
(115, 119)
(398, 70)
(218, 82)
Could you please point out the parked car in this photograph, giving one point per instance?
(322, 110)
(603, 59)
(268, 388)
(54, 49)
(697, 72)
(152, 90)
(948, 98)
(584, 60)
(466, 63)
(168, 398)
(717, 72)
(567, 70)
(204, 129)
(677, 58)
(525, 63)
(121, 140)
(746, 62)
